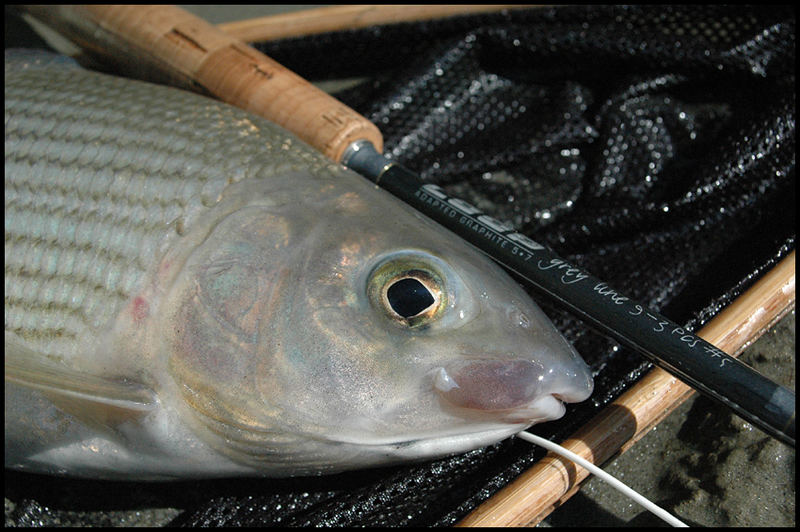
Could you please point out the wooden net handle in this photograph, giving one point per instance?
(347, 17)
(169, 44)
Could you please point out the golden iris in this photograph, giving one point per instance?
(408, 291)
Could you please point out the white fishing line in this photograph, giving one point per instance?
(593, 469)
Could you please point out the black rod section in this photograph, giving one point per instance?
(701, 365)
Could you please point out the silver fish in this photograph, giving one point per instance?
(190, 292)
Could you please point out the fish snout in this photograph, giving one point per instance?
(515, 390)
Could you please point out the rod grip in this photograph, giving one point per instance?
(168, 44)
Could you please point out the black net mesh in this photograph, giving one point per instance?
(653, 146)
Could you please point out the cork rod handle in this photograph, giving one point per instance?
(169, 44)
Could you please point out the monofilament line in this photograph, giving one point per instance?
(593, 469)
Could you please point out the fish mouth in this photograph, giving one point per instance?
(484, 400)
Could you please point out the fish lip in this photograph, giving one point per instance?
(543, 408)
(470, 439)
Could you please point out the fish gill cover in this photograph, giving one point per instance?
(653, 146)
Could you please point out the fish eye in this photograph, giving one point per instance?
(407, 291)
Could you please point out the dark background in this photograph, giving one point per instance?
(653, 146)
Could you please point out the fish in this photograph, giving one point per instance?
(192, 292)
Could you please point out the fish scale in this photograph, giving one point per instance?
(90, 200)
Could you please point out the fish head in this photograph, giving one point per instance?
(321, 346)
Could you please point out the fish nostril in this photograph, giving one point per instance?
(490, 385)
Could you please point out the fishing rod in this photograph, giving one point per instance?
(173, 46)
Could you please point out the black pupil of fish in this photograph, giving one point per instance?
(408, 297)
